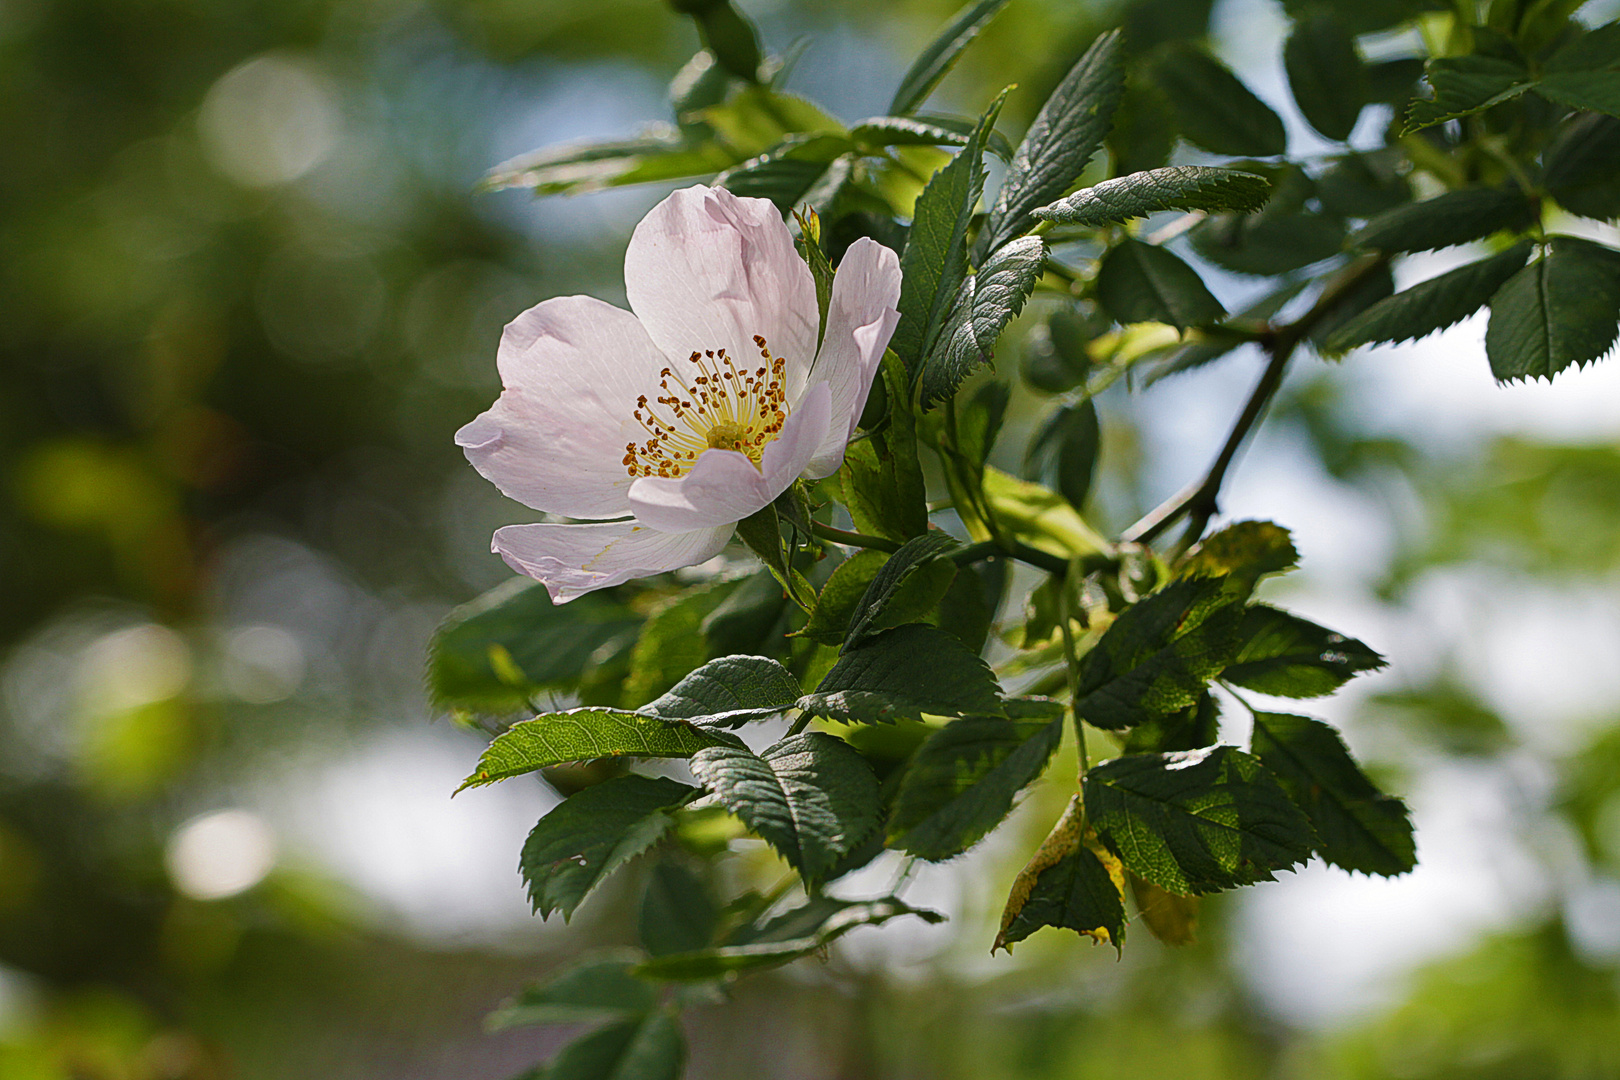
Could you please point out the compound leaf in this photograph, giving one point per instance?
(987, 302)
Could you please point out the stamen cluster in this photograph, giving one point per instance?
(724, 406)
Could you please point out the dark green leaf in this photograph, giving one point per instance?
(961, 783)
(881, 131)
(996, 143)
(1394, 82)
(1453, 218)
(1356, 288)
(785, 939)
(1158, 655)
(594, 988)
(941, 54)
(1357, 826)
(902, 674)
(726, 34)
(1201, 347)
(1288, 656)
(812, 797)
(934, 263)
(1598, 91)
(978, 424)
(750, 619)
(1367, 15)
(671, 642)
(728, 692)
(1325, 73)
(1055, 357)
(677, 913)
(1065, 134)
(908, 586)
(1435, 304)
(969, 606)
(1583, 166)
(881, 479)
(591, 834)
(494, 654)
(1139, 282)
(1466, 84)
(575, 169)
(1193, 728)
(649, 1048)
(987, 302)
(1213, 108)
(1063, 453)
(585, 735)
(1270, 242)
(1362, 185)
(1144, 128)
(1560, 310)
(1175, 187)
(1198, 821)
(1075, 893)
(785, 173)
(841, 597)
(1597, 49)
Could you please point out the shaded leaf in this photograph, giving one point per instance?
(1139, 282)
(728, 692)
(1054, 356)
(987, 302)
(841, 597)
(1464, 85)
(1357, 826)
(594, 988)
(881, 131)
(1071, 881)
(881, 479)
(1362, 185)
(1063, 452)
(961, 782)
(1453, 218)
(593, 166)
(812, 797)
(591, 834)
(937, 59)
(1562, 309)
(902, 674)
(906, 588)
(1062, 139)
(1197, 821)
(1245, 550)
(1325, 73)
(1439, 302)
(1213, 108)
(1288, 656)
(1598, 91)
(671, 642)
(1201, 347)
(677, 912)
(1158, 655)
(1175, 187)
(785, 173)
(1172, 919)
(785, 939)
(1192, 728)
(585, 735)
(649, 1048)
(1583, 166)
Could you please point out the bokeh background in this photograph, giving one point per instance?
(246, 296)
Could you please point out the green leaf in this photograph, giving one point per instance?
(728, 692)
(757, 118)
(902, 674)
(1453, 218)
(1598, 91)
(592, 833)
(575, 169)
(1464, 85)
(1063, 452)
(1270, 242)
(1040, 517)
(1139, 282)
(969, 606)
(594, 988)
(585, 735)
(785, 173)
(881, 478)
(1368, 15)
(961, 782)
(648, 1048)
(1363, 185)
(1200, 347)
(786, 938)
(1077, 893)
(812, 797)
(761, 533)
(1357, 826)
(1356, 288)
(986, 303)
(907, 587)
(1288, 656)
(1175, 187)
(978, 424)
(1213, 108)
(677, 913)
(1055, 357)
(726, 34)
(1198, 821)
(494, 654)
(1441, 301)
(934, 263)
(1583, 166)
(1597, 49)
(1560, 310)
(1158, 655)
(1064, 136)
(671, 642)
(1193, 728)
(1325, 73)
(835, 607)
(881, 131)
(750, 619)
(1245, 551)
(941, 54)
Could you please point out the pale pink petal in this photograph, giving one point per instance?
(723, 486)
(573, 368)
(860, 321)
(707, 269)
(575, 559)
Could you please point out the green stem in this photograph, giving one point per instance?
(1072, 661)
(799, 725)
(852, 539)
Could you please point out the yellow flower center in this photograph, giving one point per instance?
(716, 405)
